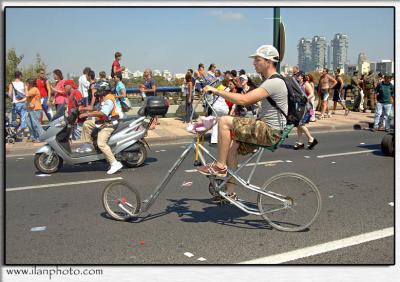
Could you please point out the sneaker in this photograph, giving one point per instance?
(298, 146)
(212, 169)
(115, 166)
(312, 144)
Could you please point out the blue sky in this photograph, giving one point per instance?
(179, 38)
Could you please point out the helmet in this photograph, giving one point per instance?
(102, 87)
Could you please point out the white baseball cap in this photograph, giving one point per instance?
(268, 52)
(243, 77)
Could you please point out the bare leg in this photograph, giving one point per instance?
(232, 163)
(334, 106)
(306, 132)
(224, 139)
(299, 134)
(323, 108)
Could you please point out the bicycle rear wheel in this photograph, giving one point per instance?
(121, 200)
(298, 205)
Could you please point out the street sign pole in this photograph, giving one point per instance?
(277, 23)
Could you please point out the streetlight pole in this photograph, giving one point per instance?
(277, 23)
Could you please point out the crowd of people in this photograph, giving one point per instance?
(37, 97)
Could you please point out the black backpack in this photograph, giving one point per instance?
(297, 101)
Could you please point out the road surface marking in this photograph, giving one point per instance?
(39, 228)
(307, 157)
(323, 248)
(188, 254)
(61, 184)
(249, 164)
(348, 153)
(201, 259)
(288, 161)
(19, 155)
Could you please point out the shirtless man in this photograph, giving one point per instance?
(323, 91)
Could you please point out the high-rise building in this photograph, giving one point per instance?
(329, 65)
(372, 66)
(304, 54)
(385, 67)
(318, 52)
(340, 46)
(362, 58)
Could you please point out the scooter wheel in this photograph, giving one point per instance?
(142, 153)
(41, 163)
(10, 140)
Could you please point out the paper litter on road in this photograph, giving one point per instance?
(157, 151)
(142, 242)
(362, 143)
(307, 157)
(163, 150)
(288, 161)
(20, 158)
(333, 162)
(39, 228)
(391, 204)
(188, 254)
(43, 175)
(331, 196)
(187, 184)
(201, 259)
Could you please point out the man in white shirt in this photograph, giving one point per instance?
(84, 85)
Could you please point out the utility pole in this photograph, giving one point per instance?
(277, 23)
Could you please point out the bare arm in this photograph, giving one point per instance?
(10, 91)
(332, 80)
(250, 98)
(309, 90)
(341, 84)
(190, 89)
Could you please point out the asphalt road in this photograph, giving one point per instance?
(356, 191)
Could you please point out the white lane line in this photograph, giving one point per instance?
(323, 248)
(249, 164)
(19, 155)
(61, 184)
(348, 153)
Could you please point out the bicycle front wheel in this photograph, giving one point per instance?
(121, 200)
(294, 204)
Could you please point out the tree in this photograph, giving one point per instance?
(13, 60)
(32, 70)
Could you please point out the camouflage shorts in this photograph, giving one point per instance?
(251, 133)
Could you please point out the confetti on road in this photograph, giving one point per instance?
(391, 204)
(43, 175)
(307, 157)
(142, 242)
(39, 228)
(187, 184)
(163, 150)
(331, 196)
(201, 259)
(288, 161)
(157, 151)
(189, 255)
(333, 162)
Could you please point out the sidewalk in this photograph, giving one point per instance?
(172, 130)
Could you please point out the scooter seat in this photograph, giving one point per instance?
(124, 123)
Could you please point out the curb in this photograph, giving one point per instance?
(188, 138)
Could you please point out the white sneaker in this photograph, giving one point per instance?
(115, 166)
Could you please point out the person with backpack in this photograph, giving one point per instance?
(45, 93)
(368, 88)
(302, 128)
(116, 66)
(242, 135)
(16, 91)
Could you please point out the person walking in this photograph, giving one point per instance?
(337, 93)
(310, 80)
(149, 88)
(60, 97)
(17, 92)
(84, 85)
(302, 128)
(34, 110)
(45, 93)
(120, 94)
(355, 89)
(385, 99)
(368, 88)
(323, 90)
(189, 88)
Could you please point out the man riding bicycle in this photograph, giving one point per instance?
(242, 134)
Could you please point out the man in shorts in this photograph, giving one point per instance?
(242, 135)
(323, 90)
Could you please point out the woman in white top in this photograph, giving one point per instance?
(16, 91)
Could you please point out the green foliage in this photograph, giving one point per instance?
(13, 60)
(32, 70)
